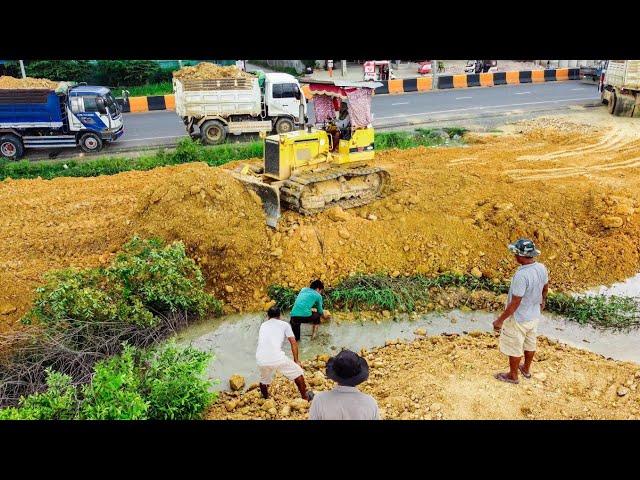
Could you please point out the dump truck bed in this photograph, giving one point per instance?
(217, 97)
(624, 74)
(30, 108)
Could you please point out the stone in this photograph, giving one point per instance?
(420, 331)
(7, 309)
(236, 382)
(386, 313)
(324, 357)
(272, 411)
(395, 274)
(299, 404)
(436, 407)
(268, 404)
(286, 411)
(231, 406)
(622, 391)
(277, 252)
(503, 206)
(372, 217)
(611, 222)
(228, 288)
(337, 214)
(475, 271)
(540, 376)
(344, 233)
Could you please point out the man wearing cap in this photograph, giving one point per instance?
(518, 323)
(271, 358)
(345, 401)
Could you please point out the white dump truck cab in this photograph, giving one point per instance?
(283, 98)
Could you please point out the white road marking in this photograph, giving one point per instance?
(463, 98)
(522, 93)
(400, 103)
(148, 138)
(576, 89)
(488, 106)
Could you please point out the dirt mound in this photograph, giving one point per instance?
(451, 377)
(11, 83)
(220, 222)
(209, 71)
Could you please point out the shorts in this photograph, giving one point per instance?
(287, 367)
(315, 318)
(516, 338)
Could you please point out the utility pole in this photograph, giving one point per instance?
(180, 63)
(434, 76)
(344, 68)
(24, 75)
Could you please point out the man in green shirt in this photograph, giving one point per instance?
(308, 300)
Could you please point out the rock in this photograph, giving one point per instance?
(277, 252)
(372, 217)
(622, 391)
(475, 271)
(337, 214)
(624, 210)
(420, 331)
(386, 313)
(230, 406)
(436, 407)
(540, 376)
(395, 274)
(324, 357)
(268, 404)
(317, 379)
(611, 222)
(236, 382)
(344, 233)
(286, 411)
(272, 411)
(7, 309)
(228, 288)
(503, 206)
(299, 404)
(395, 208)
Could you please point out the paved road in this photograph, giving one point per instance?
(164, 128)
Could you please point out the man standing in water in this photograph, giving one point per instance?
(518, 323)
(308, 300)
(271, 358)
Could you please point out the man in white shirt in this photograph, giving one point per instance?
(271, 358)
(519, 322)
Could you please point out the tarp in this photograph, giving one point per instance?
(340, 89)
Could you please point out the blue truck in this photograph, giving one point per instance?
(71, 116)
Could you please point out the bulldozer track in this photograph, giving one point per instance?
(292, 190)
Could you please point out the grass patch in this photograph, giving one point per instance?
(162, 88)
(189, 150)
(380, 292)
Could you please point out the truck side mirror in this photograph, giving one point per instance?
(297, 94)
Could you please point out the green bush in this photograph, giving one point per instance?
(58, 402)
(127, 72)
(174, 385)
(113, 393)
(62, 70)
(162, 279)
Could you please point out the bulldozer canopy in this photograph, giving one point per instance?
(357, 95)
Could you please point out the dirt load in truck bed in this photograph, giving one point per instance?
(209, 71)
(11, 83)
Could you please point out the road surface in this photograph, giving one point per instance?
(164, 128)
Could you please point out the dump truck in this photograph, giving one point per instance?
(620, 87)
(70, 116)
(326, 164)
(218, 107)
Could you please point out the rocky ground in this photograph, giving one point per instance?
(451, 377)
(570, 185)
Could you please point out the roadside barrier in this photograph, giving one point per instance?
(398, 86)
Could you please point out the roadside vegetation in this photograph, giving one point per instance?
(87, 349)
(415, 293)
(189, 150)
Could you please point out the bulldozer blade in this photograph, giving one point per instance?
(269, 194)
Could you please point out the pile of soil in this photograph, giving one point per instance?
(451, 377)
(449, 209)
(12, 83)
(209, 71)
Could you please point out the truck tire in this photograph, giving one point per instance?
(611, 105)
(284, 125)
(11, 147)
(213, 132)
(90, 142)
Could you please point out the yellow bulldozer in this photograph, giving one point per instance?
(326, 164)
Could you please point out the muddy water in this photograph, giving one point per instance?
(628, 288)
(233, 339)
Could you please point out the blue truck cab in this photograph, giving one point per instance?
(71, 116)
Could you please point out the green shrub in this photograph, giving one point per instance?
(174, 385)
(61, 70)
(58, 402)
(114, 390)
(127, 72)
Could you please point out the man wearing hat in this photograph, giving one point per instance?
(345, 401)
(518, 323)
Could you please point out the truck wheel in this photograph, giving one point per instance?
(90, 143)
(213, 132)
(611, 106)
(284, 125)
(11, 147)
